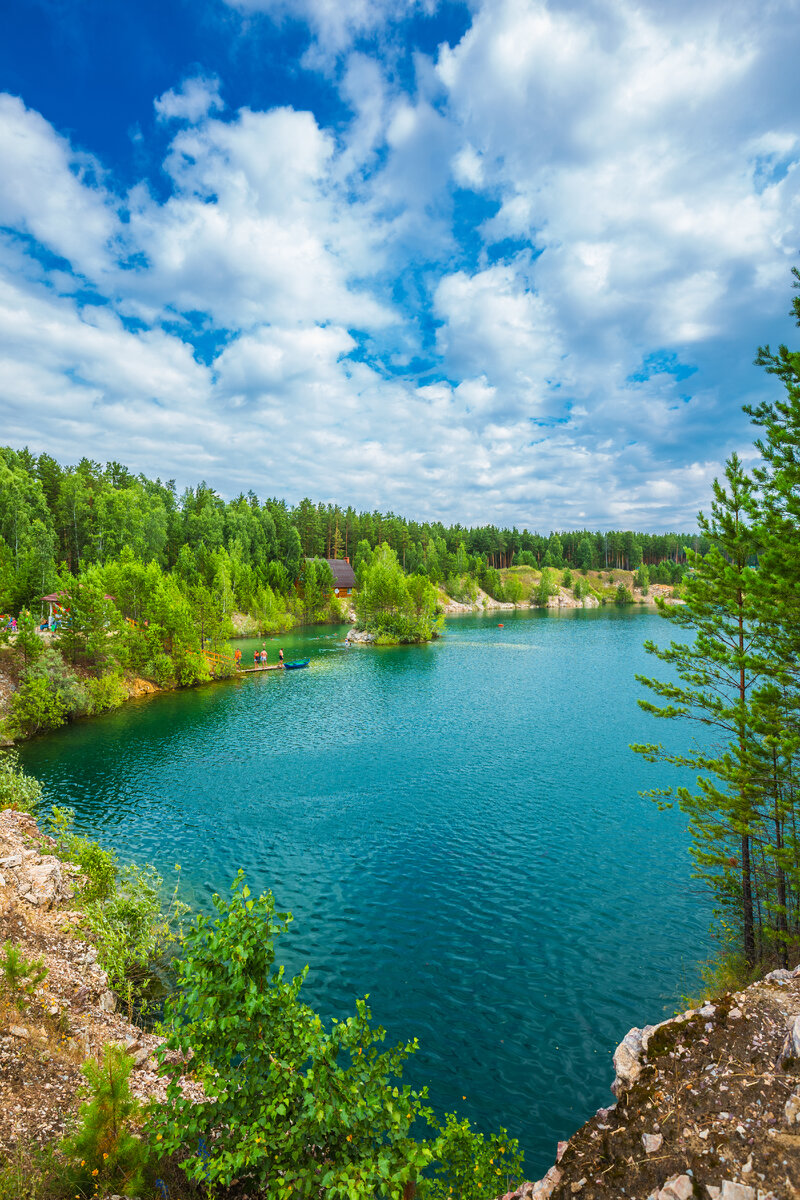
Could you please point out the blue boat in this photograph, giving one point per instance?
(296, 666)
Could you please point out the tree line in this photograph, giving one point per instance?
(55, 517)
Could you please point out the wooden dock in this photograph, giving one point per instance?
(256, 670)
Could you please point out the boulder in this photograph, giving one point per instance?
(627, 1062)
(652, 1142)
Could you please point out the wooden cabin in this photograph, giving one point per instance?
(344, 580)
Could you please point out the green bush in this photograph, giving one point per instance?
(468, 1165)
(20, 975)
(623, 595)
(106, 693)
(513, 589)
(49, 694)
(293, 1108)
(545, 588)
(17, 790)
(132, 928)
(104, 1152)
(566, 578)
(98, 866)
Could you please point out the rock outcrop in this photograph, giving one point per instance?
(708, 1106)
(360, 636)
(44, 1038)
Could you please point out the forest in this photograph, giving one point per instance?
(56, 518)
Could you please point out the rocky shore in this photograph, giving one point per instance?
(708, 1107)
(71, 1014)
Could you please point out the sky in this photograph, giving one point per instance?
(499, 261)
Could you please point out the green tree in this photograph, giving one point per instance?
(717, 673)
(292, 1108)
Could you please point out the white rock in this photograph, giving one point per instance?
(708, 1010)
(736, 1191)
(735, 1014)
(108, 1002)
(779, 976)
(15, 860)
(713, 1192)
(791, 1109)
(652, 1142)
(795, 1036)
(679, 1187)
(19, 1031)
(627, 1064)
(544, 1188)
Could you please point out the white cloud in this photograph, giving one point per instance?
(48, 190)
(195, 98)
(337, 23)
(643, 162)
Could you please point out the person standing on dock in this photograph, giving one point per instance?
(255, 657)
(237, 658)
(263, 656)
(280, 657)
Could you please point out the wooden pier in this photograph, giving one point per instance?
(255, 670)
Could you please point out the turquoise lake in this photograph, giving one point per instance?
(457, 829)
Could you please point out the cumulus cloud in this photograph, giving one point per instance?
(50, 191)
(524, 285)
(195, 98)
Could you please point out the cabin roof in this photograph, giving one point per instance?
(343, 575)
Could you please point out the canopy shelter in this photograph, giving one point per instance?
(58, 611)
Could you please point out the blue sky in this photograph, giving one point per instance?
(497, 261)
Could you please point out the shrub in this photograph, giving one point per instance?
(104, 1152)
(581, 589)
(106, 693)
(17, 790)
(49, 695)
(545, 588)
(21, 975)
(623, 595)
(566, 578)
(293, 1108)
(469, 1165)
(123, 909)
(513, 589)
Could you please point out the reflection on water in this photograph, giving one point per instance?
(456, 828)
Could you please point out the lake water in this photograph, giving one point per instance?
(457, 830)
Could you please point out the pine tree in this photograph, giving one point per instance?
(717, 674)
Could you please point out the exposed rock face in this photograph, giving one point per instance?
(708, 1106)
(361, 636)
(71, 1013)
(34, 877)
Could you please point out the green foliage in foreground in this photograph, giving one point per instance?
(124, 909)
(19, 975)
(297, 1108)
(104, 1152)
(470, 1166)
(17, 790)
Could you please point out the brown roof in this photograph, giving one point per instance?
(343, 575)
